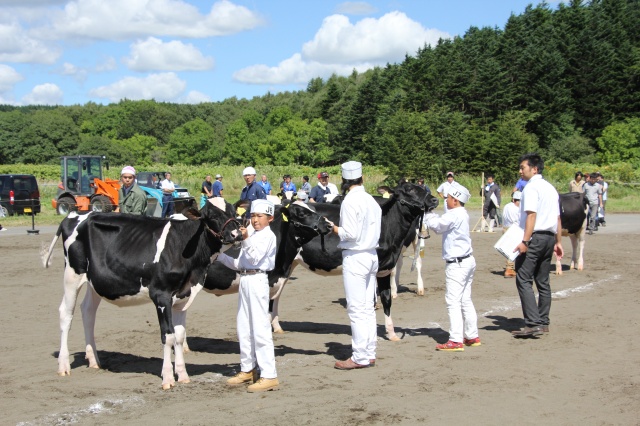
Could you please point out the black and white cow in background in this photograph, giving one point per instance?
(573, 215)
(415, 238)
(128, 260)
(398, 213)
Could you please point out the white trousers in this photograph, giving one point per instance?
(359, 269)
(254, 327)
(462, 314)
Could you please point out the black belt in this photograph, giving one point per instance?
(251, 271)
(553, 234)
(458, 259)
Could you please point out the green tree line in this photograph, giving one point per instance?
(563, 82)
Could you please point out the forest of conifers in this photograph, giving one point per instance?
(561, 81)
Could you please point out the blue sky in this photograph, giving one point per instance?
(65, 52)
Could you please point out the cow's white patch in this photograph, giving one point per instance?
(192, 296)
(218, 202)
(300, 203)
(140, 298)
(178, 216)
(161, 242)
(74, 234)
(161, 308)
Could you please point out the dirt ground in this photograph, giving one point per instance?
(586, 370)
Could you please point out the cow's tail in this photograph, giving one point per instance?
(45, 255)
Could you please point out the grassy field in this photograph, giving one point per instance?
(623, 198)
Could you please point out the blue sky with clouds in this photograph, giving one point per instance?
(65, 52)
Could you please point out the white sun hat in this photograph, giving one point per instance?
(351, 170)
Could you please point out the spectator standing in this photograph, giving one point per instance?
(593, 192)
(577, 184)
(605, 189)
(287, 185)
(459, 269)
(217, 188)
(492, 201)
(323, 188)
(423, 185)
(167, 187)
(443, 189)
(306, 186)
(540, 219)
(519, 185)
(252, 190)
(511, 216)
(131, 198)
(206, 191)
(257, 257)
(264, 183)
(359, 232)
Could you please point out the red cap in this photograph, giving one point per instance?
(323, 174)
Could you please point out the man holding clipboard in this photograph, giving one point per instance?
(540, 219)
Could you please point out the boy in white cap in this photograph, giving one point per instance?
(131, 199)
(511, 216)
(256, 258)
(359, 232)
(459, 270)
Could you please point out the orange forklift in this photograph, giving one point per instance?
(82, 187)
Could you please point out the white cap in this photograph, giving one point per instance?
(302, 195)
(249, 171)
(218, 176)
(351, 170)
(459, 192)
(262, 206)
(517, 195)
(128, 170)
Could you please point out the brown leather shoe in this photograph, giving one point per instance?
(545, 328)
(243, 377)
(349, 364)
(528, 332)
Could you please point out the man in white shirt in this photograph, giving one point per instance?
(540, 219)
(359, 232)
(167, 187)
(511, 216)
(443, 189)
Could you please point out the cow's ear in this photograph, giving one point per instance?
(191, 213)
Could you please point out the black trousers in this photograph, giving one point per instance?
(534, 266)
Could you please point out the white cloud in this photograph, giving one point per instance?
(194, 97)
(44, 94)
(355, 8)
(17, 46)
(161, 87)
(126, 19)
(108, 64)
(382, 40)
(8, 78)
(154, 55)
(340, 47)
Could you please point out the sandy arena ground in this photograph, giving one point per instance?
(585, 371)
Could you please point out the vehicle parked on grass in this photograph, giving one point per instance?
(150, 183)
(19, 194)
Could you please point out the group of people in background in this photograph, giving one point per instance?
(594, 188)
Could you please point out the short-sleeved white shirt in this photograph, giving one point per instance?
(444, 188)
(167, 184)
(541, 197)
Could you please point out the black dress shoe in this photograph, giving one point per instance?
(545, 328)
(527, 332)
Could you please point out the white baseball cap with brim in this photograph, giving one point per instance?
(351, 170)
(249, 171)
(262, 206)
(459, 192)
(517, 195)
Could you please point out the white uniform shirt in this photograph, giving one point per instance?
(454, 227)
(605, 186)
(167, 184)
(510, 215)
(541, 197)
(257, 252)
(444, 188)
(360, 221)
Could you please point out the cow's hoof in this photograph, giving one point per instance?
(420, 292)
(393, 338)
(96, 366)
(278, 331)
(394, 296)
(184, 381)
(64, 373)
(167, 386)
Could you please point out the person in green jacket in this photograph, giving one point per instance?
(131, 199)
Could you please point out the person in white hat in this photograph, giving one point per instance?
(131, 199)
(217, 188)
(443, 189)
(257, 257)
(510, 216)
(252, 191)
(359, 232)
(459, 269)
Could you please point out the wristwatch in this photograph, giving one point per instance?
(526, 243)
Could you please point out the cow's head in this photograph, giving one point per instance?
(307, 223)
(415, 197)
(220, 217)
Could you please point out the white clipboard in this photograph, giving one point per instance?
(509, 241)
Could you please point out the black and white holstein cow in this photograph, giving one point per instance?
(415, 238)
(323, 256)
(128, 260)
(573, 215)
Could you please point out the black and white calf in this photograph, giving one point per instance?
(573, 215)
(128, 260)
(323, 256)
(414, 239)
